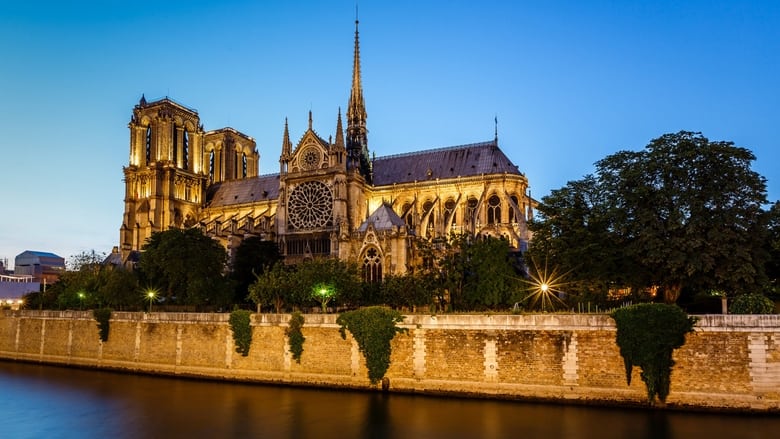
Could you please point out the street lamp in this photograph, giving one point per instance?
(81, 299)
(151, 295)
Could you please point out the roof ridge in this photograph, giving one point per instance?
(440, 149)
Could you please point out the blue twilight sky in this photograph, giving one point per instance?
(569, 81)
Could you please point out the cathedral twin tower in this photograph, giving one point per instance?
(329, 198)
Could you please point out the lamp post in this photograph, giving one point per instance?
(81, 300)
(151, 295)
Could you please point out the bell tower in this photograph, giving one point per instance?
(165, 178)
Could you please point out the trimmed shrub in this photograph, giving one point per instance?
(753, 303)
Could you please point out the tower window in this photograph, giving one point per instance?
(243, 165)
(186, 150)
(175, 151)
(211, 167)
(148, 144)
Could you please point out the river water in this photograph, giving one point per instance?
(38, 401)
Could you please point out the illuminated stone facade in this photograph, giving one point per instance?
(329, 198)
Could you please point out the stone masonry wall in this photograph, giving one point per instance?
(728, 363)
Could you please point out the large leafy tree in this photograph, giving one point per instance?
(253, 257)
(685, 212)
(475, 273)
(186, 267)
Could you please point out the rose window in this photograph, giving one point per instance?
(310, 205)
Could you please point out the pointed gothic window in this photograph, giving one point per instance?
(471, 210)
(494, 210)
(372, 266)
(148, 144)
(430, 230)
(408, 218)
(211, 166)
(175, 152)
(450, 218)
(186, 150)
(514, 215)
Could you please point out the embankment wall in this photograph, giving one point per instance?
(730, 362)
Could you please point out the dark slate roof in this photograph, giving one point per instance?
(250, 190)
(463, 161)
(384, 218)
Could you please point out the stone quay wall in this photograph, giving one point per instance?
(730, 362)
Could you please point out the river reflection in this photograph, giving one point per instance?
(52, 402)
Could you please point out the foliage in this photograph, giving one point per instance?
(103, 316)
(187, 266)
(86, 260)
(302, 285)
(275, 286)
(253, 257)
(373, 328)
(341, 279)
(684, 212)
(773, 248)
(408, 290)
(647, 334)
(240, 324)
(754, 303)
(476, 273)
(295, 336)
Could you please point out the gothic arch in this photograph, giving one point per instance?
(371, 264)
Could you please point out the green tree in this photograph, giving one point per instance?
(253, 257)
(684, 212)
(275, 287)
(187, 267)
(341, 279)
(475, 272)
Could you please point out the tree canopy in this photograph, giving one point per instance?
(684, 212)
(186, 267)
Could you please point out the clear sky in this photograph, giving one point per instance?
(569, 81)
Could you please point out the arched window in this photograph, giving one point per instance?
(175, 146)
(514, 215)
(148, 144)
(372, 266)
(450, 217)
(471, 209)
(430, 230)
(243, 165)
(494, 210)
(409, 218)
(211, 166)
(186, 150)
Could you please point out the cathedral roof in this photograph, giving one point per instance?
(455, 161)
(384, 218)
(250, 190)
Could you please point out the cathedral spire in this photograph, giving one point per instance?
(286, 144)
(357, 133)
(339, 132)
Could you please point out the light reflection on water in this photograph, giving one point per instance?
(51, 402)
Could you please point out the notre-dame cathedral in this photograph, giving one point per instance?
(329, 198)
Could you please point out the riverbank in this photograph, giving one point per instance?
(730, 362)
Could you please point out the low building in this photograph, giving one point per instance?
(43, 267)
